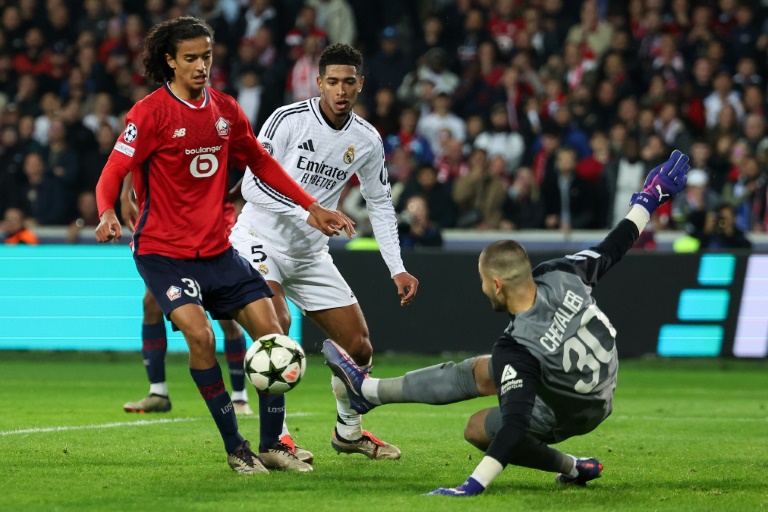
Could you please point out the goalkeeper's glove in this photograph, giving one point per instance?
(663, 182)
(469, 488)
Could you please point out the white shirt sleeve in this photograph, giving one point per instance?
(275, 137)
(374, 186)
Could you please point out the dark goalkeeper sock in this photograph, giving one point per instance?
(234, 350)
(211, 387)
(153, 347)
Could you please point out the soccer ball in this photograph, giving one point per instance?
(275, 363)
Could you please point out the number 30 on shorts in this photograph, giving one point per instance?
(192, 288)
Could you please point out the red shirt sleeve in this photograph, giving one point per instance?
(133, 146)
(246, 150)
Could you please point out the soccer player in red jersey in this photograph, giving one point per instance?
(178, 143)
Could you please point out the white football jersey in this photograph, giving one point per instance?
(321, 159)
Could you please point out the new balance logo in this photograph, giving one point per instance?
(509, 380)
(179, 132)
(662, 195)
(307, 145)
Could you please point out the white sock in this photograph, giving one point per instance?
(239, 396)
(574, 472)
(370, 389)
(488, 469)
(350, 427)
(158, 388)
(285, 431)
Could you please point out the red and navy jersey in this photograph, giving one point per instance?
(180, 155)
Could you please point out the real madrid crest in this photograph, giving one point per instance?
(263, 270)
(349, 156)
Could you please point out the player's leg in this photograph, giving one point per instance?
(192, 321)
(259, 318)
(284, 319)
(534, 451)
(347, 327)
(179, 287)
(271, 407)
(443, 383)
(153, 348)
(234, 352)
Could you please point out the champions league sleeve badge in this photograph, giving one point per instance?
(131, 132)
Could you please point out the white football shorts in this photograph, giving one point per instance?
(313, 285)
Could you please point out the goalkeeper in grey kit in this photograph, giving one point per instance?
(554, 367)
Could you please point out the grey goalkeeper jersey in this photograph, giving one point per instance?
(562, 349)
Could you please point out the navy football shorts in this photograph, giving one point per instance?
(219, 284)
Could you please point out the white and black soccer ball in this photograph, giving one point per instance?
(275, 363)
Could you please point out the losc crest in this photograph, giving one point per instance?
(222, 127)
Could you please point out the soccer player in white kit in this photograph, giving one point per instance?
(321, 143)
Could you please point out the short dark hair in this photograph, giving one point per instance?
(164, 39)
(343, 55)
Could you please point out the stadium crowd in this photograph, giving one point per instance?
(495, 114)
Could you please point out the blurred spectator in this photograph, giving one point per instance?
(432, 35)
(254, 15)
(87, 215)
(451, 164)
(523, 207)
(491, 71)
(423, 182)
(35, 57)
(504, 25)
(746, 195)
(102, 113)
(592, 33)
(441, 123)
(754, 100)
(754, 131)
(249, 95)
(15, 230)
(305, 28)
(336, 18)
(41, 198)
(723, 94)
(11, 160)
(719, 230)
(570, 133)
(591, 167)
(474, 34)
(696, 197)
(415, 227)
(389, 65)
(745, 32)
(61, 160)
(302, 82)
(432, 69)
(569, 201)
(50, 105)
(501, 140)
(93, 160)
(406, 137)
(620, 179)
(671, 128)
(479, 195)
(93, 19)
(384, 116)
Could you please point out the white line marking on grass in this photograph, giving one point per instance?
(138, 423)
(729, 419)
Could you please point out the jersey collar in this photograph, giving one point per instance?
(314, 104)
(206, 97)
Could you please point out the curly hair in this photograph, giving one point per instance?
(164, 39)
(341, 54)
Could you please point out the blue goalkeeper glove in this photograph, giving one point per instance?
(469, 488)
(663, 182)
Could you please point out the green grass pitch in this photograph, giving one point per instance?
(684, 435)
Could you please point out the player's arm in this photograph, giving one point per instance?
(662, 184)
(129, 210)
(132, 147)
(248, 152)
(375, 188)
(516, 374)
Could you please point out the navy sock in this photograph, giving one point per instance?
(153, 347)
(211, 387)
(271, 416)
(234, 350)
